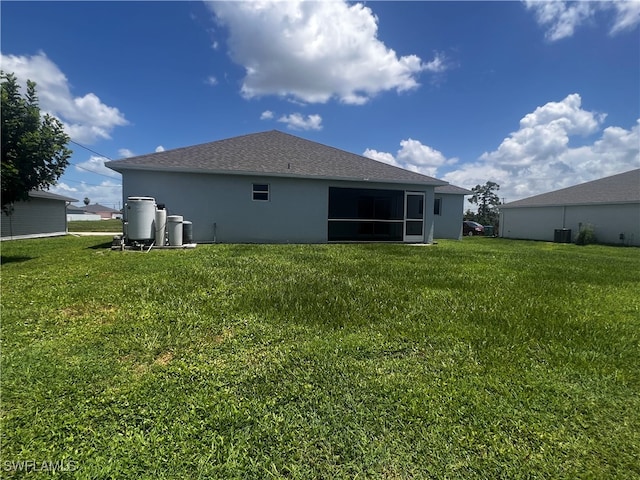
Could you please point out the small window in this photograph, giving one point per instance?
(261, 192)
(437, 206)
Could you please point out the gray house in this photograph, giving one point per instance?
(611, 206)
(273, 187)
(43, 215)
(447, 210)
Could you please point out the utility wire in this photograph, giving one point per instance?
(86, 169)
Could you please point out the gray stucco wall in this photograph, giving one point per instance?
(608, 222)
(449, 223)
(35, 217)
(222, 209)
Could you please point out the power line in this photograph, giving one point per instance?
(92, 184)
(92, 151)
(86, 169)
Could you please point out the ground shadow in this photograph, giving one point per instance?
(100, 246)
(13, 259)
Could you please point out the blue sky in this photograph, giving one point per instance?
(532, 95)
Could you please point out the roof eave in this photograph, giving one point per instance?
(155, 168)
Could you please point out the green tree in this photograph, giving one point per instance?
(34, 151)
(86, 201)
(484, 196)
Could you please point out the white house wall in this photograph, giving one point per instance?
(222, 209)
(449, 223)
(539, 223)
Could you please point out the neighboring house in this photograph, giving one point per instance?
(43, 215)
(448, 210)
(611, 206)
(274, 187)
(92, 212)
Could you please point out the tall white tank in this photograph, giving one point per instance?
(141, 212)
(174, 226)
(160, 226)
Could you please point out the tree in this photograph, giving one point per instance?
(86, 201)
(487, 201)
(34, 151)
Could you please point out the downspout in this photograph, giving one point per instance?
(564, 216)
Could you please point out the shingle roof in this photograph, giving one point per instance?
(50, 196)
(621, 188)
(452, 189)
(272, 153)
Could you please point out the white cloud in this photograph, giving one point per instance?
(315, 51)
(627, 15)
(296, 121)
(562, 18)
(95, 164)
(125, 152)
(108, 193)
(414, 156)
(211, 81)
(159, 148)
(266, 115)
(86, 119)
(539, 158)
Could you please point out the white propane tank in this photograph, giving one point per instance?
(160, 226)
(140, 216)
(174, 226)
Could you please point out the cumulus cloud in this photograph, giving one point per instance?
(95, 164)
(86, 119)
(415, 156)
(296, 121)
(108, 193)
(159, 148)
(125, 152)
(561, 19)
(539, 156)
(315, 51)
(266, 115)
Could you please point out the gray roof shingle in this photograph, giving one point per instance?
(50, 196)
(621, 188)
(272, 153)
(453, 190)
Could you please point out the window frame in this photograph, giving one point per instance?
(257, 193)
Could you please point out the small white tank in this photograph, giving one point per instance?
(160, 226)
(141, 213)
(174, 227)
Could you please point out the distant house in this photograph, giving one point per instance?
(43, 215)
(272, 187)
(611, 206)
(92, 212)
(448, 210)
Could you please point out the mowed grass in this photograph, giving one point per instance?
(111, 225)
(482, 358)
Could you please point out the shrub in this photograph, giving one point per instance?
(586, 235)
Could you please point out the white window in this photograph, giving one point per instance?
(261, 192)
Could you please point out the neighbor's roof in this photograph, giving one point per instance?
(452, 189)
(97, 208)
(50, 196)
(272, 153)
(621, 188)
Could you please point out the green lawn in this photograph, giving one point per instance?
(482, 358)
(114, 226)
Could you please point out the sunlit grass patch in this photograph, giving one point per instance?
(475, 359)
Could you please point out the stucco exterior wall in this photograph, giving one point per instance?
(222, 209)
(449, 223)
(539, 223)
(35, 217)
